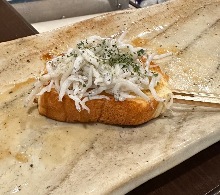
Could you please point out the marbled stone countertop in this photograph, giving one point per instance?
(47, 157)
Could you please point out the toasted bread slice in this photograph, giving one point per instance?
(133, 111)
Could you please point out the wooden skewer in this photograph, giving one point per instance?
(196, 103)
(192, 99)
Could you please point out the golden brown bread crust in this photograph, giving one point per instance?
(129, 112)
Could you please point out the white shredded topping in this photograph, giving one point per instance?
(99, 65)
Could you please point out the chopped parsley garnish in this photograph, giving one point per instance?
(140, 52)
(113, 55)
(81, 45)
(155, 74)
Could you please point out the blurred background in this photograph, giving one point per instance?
(46, 15)
(45, 10)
